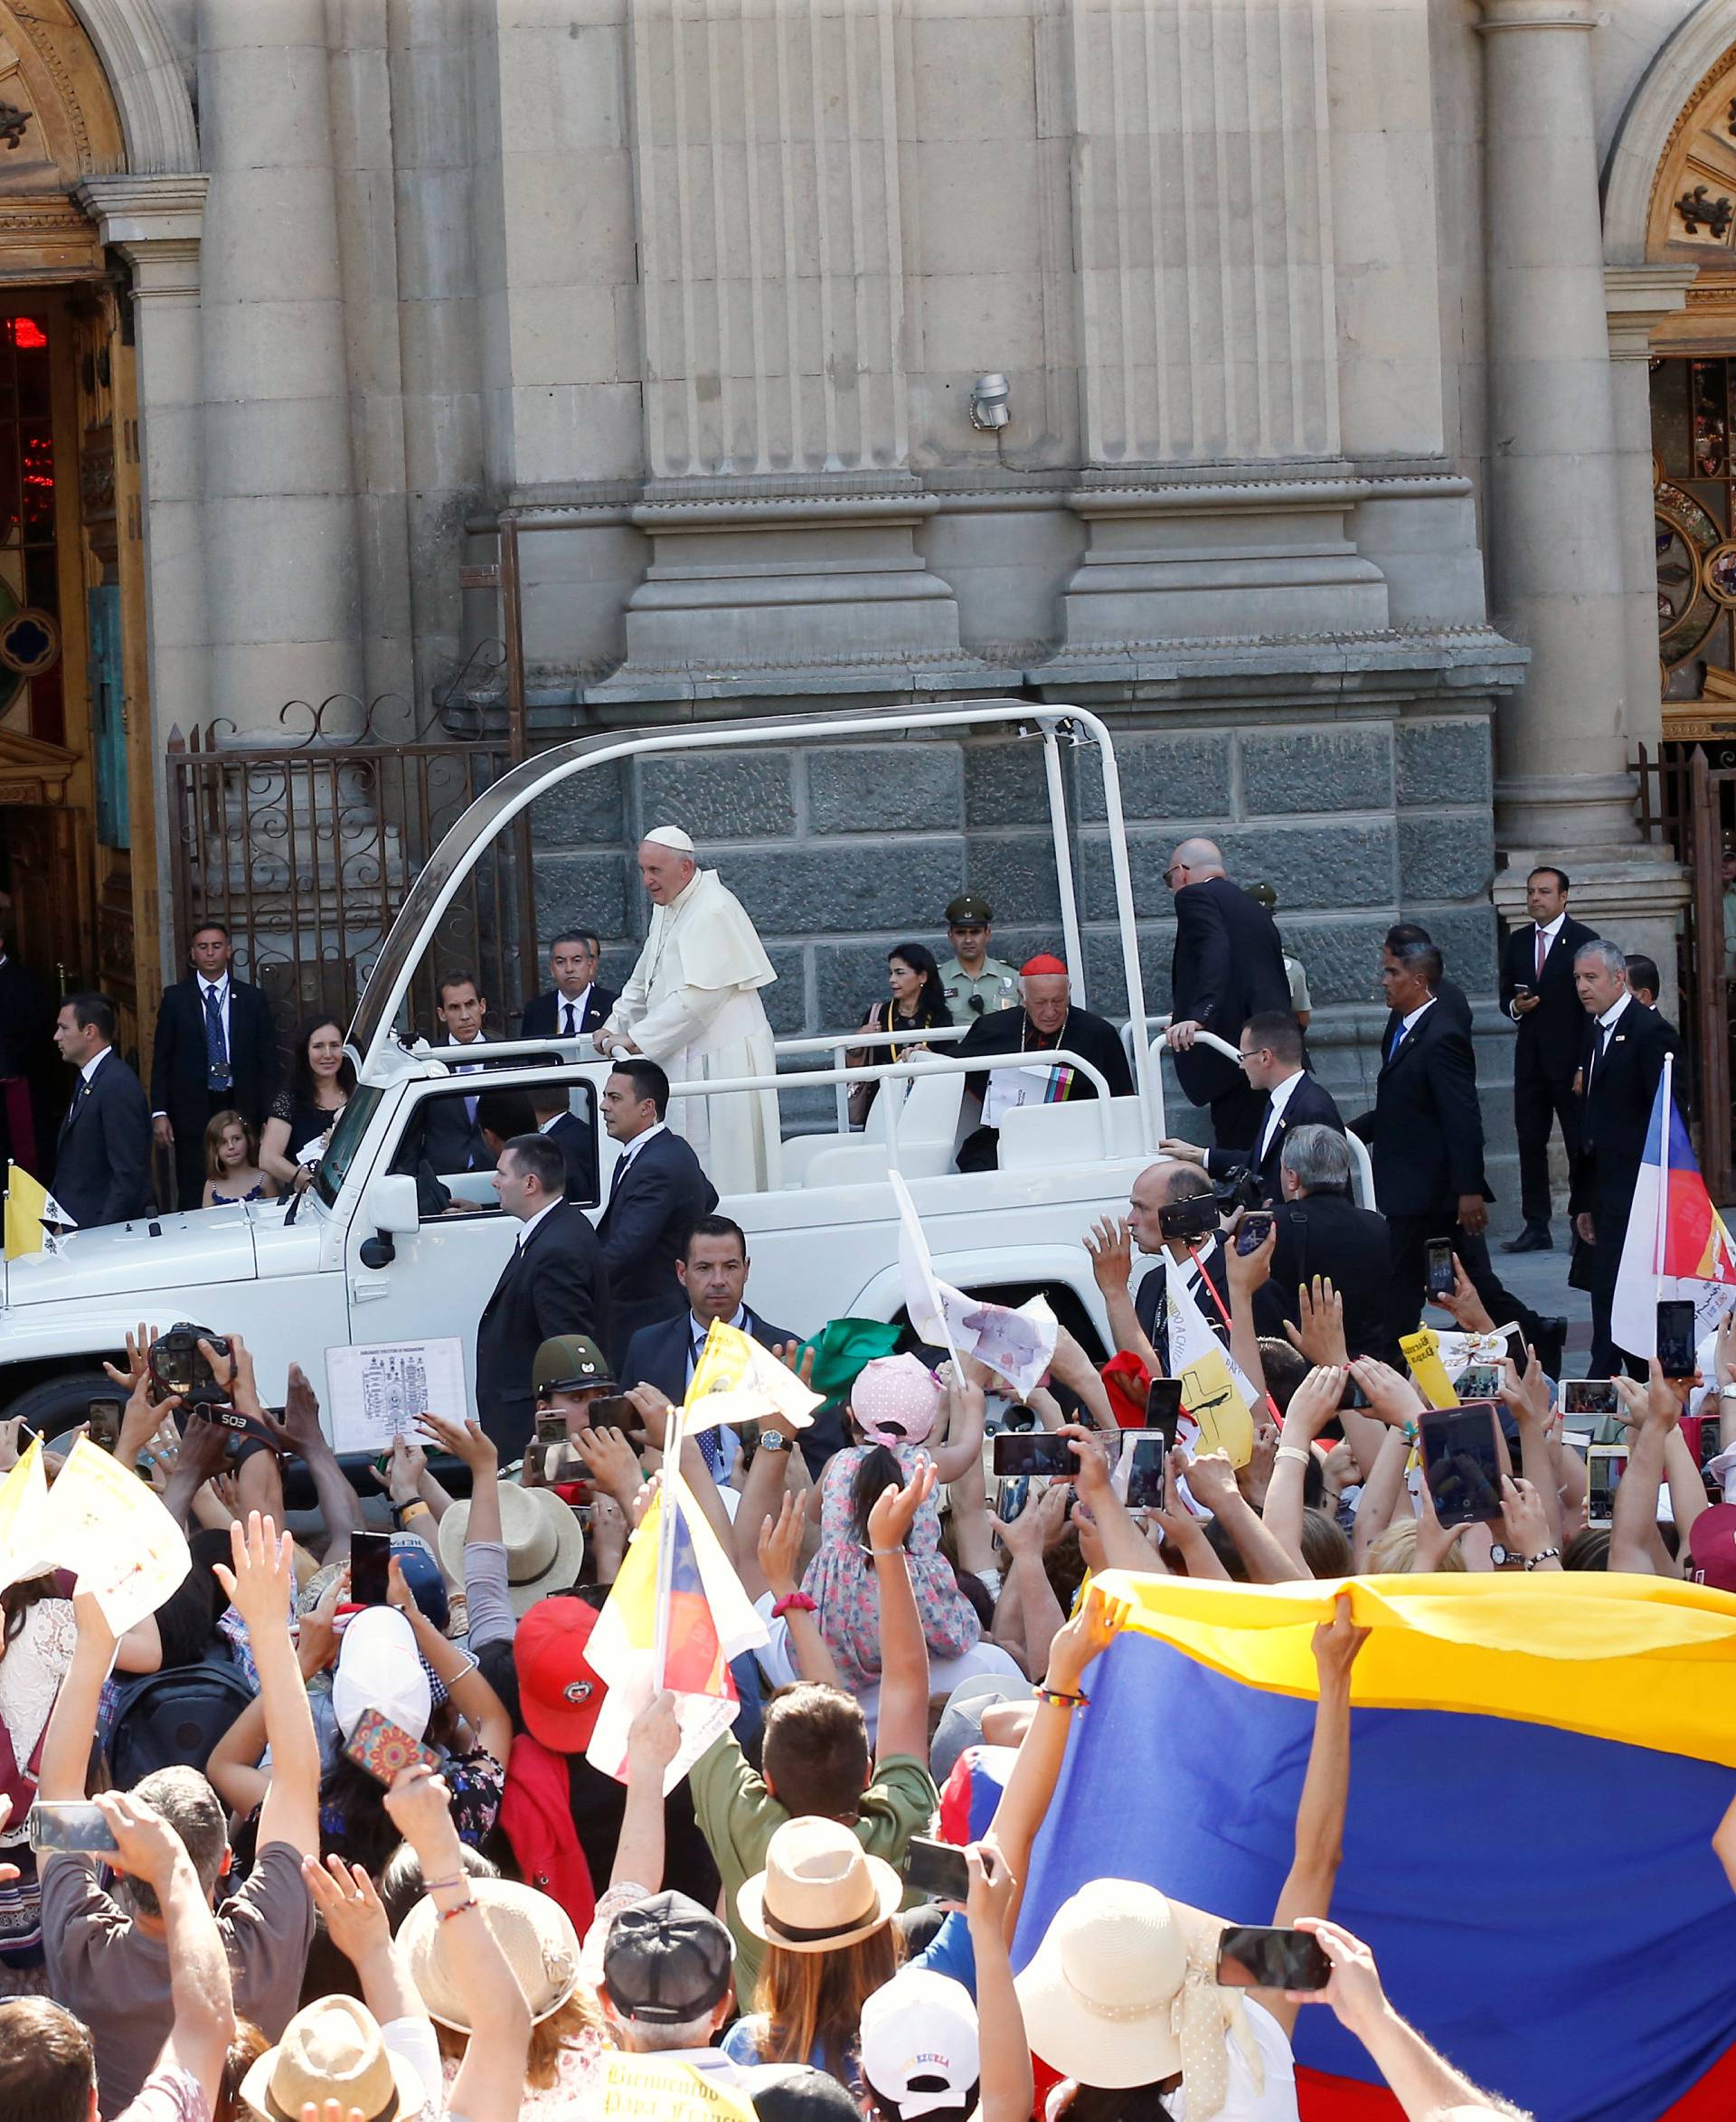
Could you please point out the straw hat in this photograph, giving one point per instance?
(1122, 1990)
(333, 2050)
(545, 1542)
(895, 1400)
(536, 1933)
(820, 1889)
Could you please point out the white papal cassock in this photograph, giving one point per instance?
(693, 1004)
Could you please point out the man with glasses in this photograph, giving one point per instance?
(1228, 966)
(974, 982)
(1272, 1059)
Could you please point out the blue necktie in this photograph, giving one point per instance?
(1397, 1040)
(216, 1050)
(711, 1441)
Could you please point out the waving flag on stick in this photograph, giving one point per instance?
(29, 1206)
(1677, 1243)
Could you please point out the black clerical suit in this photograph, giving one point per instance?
(1307, 1106)
(546, 1016)
(655, 1197)
(189, 1085)
(553, 1282)
(102, 1162)
(1227, 966)
(1619, 1071)
(1546, 1053)
(1009, 1035)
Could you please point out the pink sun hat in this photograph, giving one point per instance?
(895, 1400)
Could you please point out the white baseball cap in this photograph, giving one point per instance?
(919, 2050)
(378, 1668)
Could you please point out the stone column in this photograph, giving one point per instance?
(283, 564)
(1553, 526)
(1638, 298)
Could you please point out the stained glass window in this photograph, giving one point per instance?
(31, 696)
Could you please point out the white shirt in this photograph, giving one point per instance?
(629, 1150)
(728, 1442)
(1409, 1024)
(1549, 932)
(1605, 1023)
(532, 1222)
(219, 988)
(1280, 1097)
(94, 1063)
(577, 1005)
(467, 1068)
(554, 1120)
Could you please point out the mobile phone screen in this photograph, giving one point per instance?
(1441, 1267)
(936, 1870)
(1251, 1233)
(102, 1423)
(1251, 1957)
(615, 1410)
(551, 1429)
(1605, 1465)
(1163, 1406)
(1461, 1465)
(1675, 1337)
(1588, 1396)
(370, 1560)
(1037, 1451)
(1477, 1382)
(68, 1826)
(1147, 1489)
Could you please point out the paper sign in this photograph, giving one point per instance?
(1026, 1085)
(377, 1392)
(656, 2088)
(103, 1524)
(1019, 1344)
(24, 1499)
(1422, 1352)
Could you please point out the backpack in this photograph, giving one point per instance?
(174, 1717)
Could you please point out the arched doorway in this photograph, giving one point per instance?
(76, 807)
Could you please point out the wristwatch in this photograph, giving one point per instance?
(1501, 1556)
(775, 1440)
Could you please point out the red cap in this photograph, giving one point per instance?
(1712, 1547)
(1044, 962)
(558, 1693)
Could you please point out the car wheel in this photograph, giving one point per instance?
(63, 1401)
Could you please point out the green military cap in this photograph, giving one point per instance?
(569, 1362)
(1267, 897)
(969, 906)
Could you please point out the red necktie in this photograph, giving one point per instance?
(1542, 952)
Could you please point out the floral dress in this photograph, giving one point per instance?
(840, 1579)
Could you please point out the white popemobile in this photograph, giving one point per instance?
(365, 1258)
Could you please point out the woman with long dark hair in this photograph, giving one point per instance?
(302, 1115)
(917, 1003)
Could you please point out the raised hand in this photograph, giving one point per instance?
(261, 1583)
(468, 1442)
(1336, 1643)
(654, 1737)
(610, 1461)
(780, 1548)
(1354, 1990)
(1523, 1513)
(355, 1920)
(1391, 1398)
(1320, 1333)
(1022, 1535)
(1098, 1622)
(1111, 1246)
(1315, 1403)
(138, 1359)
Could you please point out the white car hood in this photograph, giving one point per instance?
(156, 1252)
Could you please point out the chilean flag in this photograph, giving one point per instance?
(1674, 1235)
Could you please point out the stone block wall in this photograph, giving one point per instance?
(840, 852)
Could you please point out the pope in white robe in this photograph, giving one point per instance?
(691, 1004)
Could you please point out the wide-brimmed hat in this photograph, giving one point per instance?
(820, 1890)
(545, 1542)
(1123, 1991)
(379, 1668)
(333, 2049)
(895, 1400)
(536, 1933)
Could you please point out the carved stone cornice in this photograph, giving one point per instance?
(1539, 14)
(156, 222)
(1637, 300)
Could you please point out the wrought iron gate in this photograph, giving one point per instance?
(304, 849)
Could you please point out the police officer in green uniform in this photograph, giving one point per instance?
(974, 982)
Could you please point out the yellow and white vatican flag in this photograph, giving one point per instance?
(737, 1381)
(29, 1206)
(1218, 1397)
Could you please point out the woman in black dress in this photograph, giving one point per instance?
(301, 1117)
(918, 1003)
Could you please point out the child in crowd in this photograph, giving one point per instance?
(232, 1173)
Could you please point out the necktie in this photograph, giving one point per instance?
(573, 1029)
(1598, 1045)
(617, 1175)
(1397, 1040)
(1542, 952)
(710, 1441)
(216, 1047)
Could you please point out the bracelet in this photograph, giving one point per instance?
(1294, 1451)
(434, 1885)
(885, 1553)
(461, 1907)
(798, 1602)
(1056, 1699)
(471, 1664)
(1727, 1392)
(1546, 1554)
(1409, 1431)
(404, 1512)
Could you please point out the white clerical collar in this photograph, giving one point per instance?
(1409, 1022)
(94, 1063)
(1614, 1011)
(682, 897)
(631, 1149)
(532, 1222)
(1280, 1096)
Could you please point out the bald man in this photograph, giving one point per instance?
(1228, 966)
(693, 1005)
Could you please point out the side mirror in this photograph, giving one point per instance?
(389, 1205)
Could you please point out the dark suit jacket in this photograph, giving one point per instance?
(1228, 964)
(1425, 1133)
(1550, 1036)
(451, 1141)
(102, 1165)
(554, 1283)
(1614, 1114)
(1307, 1106)
(652, 1206)
(1148, 1301)
(1328, 1234)
(541, 1018)
(657, 1355)
(1450, 1000)
(578, 1148)
(180, 1076)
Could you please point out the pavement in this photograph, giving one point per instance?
(1540, 1280)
